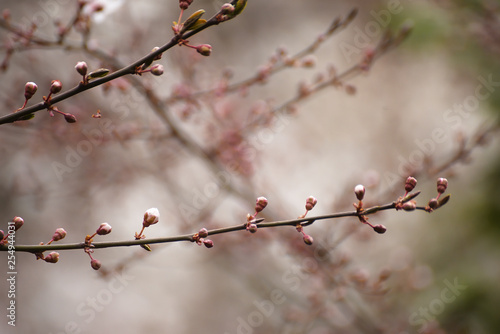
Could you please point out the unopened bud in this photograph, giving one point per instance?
(104, 229)
(30, 90)
(227, 8)
(208, 243)
(433, 204)
(70, 118)
(55, 86)
(410, 183)
(308, 61)
(52, 257)
(2, 235)
(379, 228)
(203, 233)
(410, 206)
(442, 184)
(252, 228)
(204, 49)
(184, 4)
(82, 68)
(157, 69)
(95, 264)
(151, 217)
(308, 239)
(260, 204)
(359, 190)
(59, 234)
(310, 203)
(18, 222)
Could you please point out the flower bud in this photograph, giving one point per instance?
(157, 70)
(410, 206)
(359, 190)
(433, 204)
(52, 257)
(70, 118)
(55, 86)
(260, 204)
(151, 217)
(204, 49)
(308, 61)
(184, 4)
(30, 90)
(82, 68)
(410, 183)
(208, 243)
(203, 233)
(2, 235)
(252, 228)
(379, 228)
(442, 184)
(104, 229)
(227, 8)
(59, 234)
(18, 222)
(310, 203)
(308, 239)
(95, 264)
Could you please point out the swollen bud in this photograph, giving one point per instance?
(59, 234)
(410, 206)
(104, 229)
(151, 217)
(260, 204)
(55, 86)
(359, 190)
(442, 184)
(410, 183)
(70, 118)
(379, 228)
(95, 264)
(310, 203)
(203, 233)
(227, 8)
(308, 239)
(30, 90)
(252, 228)
(18, 222)
(82, 68)
(208, 243)
(433, 204)
(157, 70)
(52, 257)
(204, 49)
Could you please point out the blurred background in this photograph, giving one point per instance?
(427, 108)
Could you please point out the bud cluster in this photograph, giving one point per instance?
(260, 204)
(437, 202)
(200, 238)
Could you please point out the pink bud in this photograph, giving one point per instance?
(359, 190)
(203, 233)
(70, 118)
(227, 8)
(252, 228)
(30, 90)
(55, 86)
(260, 204)
(157, 70)
(410, 183)
(2, 235)
(308, 239)
(442, 184)
(59, 234)
(18, 222)
(433, 204)
(95, 264)
(151, 217)
(184, 4)
(52, 257)
(410, 206)
(310, 203)
(204, 49)
(379, 228)
(104, 229)
(208, 243)
(82, 68)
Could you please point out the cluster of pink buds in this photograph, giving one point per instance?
(53, 257)
(251, 224)
(438, 201)
(359, 191)
(201, 238)
(103, 229)
(151, 217)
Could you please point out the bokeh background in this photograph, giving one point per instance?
(434, 273)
